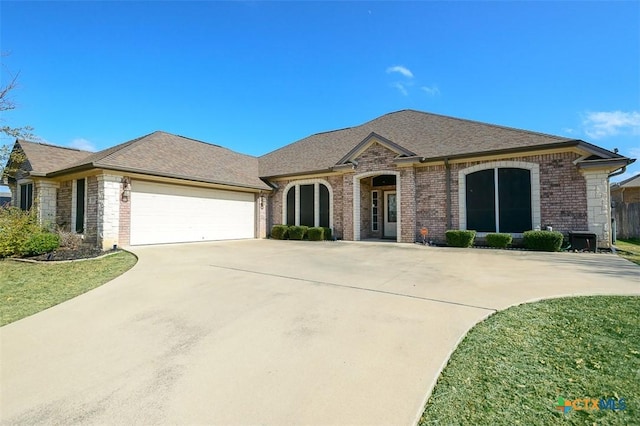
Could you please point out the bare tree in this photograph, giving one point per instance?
(7, 104)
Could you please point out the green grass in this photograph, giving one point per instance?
(629, 249)
(511, 368)
(28, 288)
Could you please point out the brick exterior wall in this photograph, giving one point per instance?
(338, 204)
(124, 233)
(91, 212)
(63, 205)
(423, 197)
(431, 200)
(365, 209)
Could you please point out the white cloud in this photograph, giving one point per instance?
(401, 88)
(83, 144)
(400, 69)
(609, 123)
(433, 90)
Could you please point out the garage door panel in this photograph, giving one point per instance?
(163, 213)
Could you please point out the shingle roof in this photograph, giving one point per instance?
(44, 158)
(427, 135)
(164, 154)
(632, 182)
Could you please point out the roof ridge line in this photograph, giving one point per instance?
(54, 146)
(498, 126)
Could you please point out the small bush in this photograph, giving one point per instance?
(543, 240)
(40, 243)
(457, 238)
(499, 240)
(327, 233)
(279, 232)
(16, 228)
(297, 232)
(315, 234)
(68, 239)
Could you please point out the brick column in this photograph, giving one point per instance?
(348, 207)
(108, 223)
(598, 205)
(45, 202)
(407, 203)
(261, 206)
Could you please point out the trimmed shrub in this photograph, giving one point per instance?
(456, 238)
(279, 232)
(543, 240)
(315, 234)
(327, 233)
(40, 243)
(297, 232)
(499, 240)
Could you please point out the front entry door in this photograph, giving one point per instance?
(390, 214)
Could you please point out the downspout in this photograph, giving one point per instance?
(619, 172)
(447, 170)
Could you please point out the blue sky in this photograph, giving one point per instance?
(254, 76)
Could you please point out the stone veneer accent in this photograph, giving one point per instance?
(108, 214)
(598, 205)
(45, 201)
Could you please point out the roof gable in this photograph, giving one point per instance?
(42, 158)
(370, 140)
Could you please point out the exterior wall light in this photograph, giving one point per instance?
(126, 189)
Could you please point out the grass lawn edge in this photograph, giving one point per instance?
(455, 347)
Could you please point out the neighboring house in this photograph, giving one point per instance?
(386, 178)
(625, 202)
(5, 198)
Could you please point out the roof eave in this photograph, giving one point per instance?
(516, 150)
(306, 172)
(91, 166)
(606, 163)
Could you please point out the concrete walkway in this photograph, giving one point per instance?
(273, 332)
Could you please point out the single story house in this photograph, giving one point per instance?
(386, 178)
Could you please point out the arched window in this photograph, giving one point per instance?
(308, 204)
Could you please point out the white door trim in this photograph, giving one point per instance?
(356, 200)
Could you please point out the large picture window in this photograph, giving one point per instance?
(499, 200)
(308, 204)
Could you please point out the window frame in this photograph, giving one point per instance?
(295, 187)
(375, 210)
(534, 169)
(74, 206)
(25, 203)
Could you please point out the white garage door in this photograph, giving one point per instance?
(162, 213)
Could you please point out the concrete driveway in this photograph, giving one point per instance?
(273, 332)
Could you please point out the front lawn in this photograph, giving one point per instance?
(28, 288)
(629, 249)
(512, 368)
